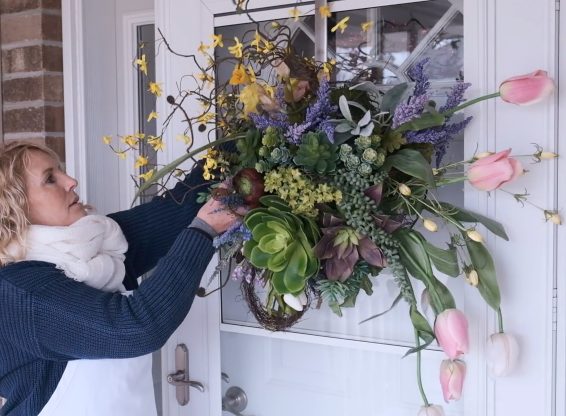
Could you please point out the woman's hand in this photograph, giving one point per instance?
(215, 214)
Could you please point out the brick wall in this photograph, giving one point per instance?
(32, 72)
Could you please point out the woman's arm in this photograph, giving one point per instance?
(64, 319)
(151, 228)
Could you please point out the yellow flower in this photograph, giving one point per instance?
(327, 67)
(325, 11)
(267, 46)
(203, 76)
(142, 64)
(155, 88)
(202, 48)
(185, 139)
(236, 50)
(366, 26)
(157, 143)
(217, 41)
(472, 277)
(251, 73)
(107, 139)
(141, 161)
(131, 140)
(342, 25)
(257, 40)
(295, 13)
(152, 116)
(275, 25)
(249, 96)
(239, 75)
(148, 175)
(205, 118)
(121, 154)
(140, 135)
(553, 217)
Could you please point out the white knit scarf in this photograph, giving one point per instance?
(91, 250)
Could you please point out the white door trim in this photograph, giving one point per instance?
(74, 92)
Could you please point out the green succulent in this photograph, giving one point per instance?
(316, 153)
(247, 148)
(271, 137)
(282, 242)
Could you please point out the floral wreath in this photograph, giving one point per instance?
(336, 176)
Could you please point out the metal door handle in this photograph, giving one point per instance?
(180, 378)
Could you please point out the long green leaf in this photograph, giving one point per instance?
(463, 215)
(395, 302)
(483, 264)
(392, 97)
(170, 167)
(421, 325)
(425, 121)
(446, 261)
(415, 258)
(413, 163)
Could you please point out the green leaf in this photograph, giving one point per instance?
(395, 302)
(259, 258)
(483, 264)
(413, 163)
(417, 349)
(425, 121)
(392, 97)
(344, 108)
(273, 201)
(446, 261)
(417, 262)
(421, 325)
(413, 254)
(463, 215)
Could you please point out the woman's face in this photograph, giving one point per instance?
(51, 192)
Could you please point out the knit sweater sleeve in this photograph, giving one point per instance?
(70, 320)
(151, 228)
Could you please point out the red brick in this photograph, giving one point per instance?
(11, 6)
(49, 88)
(37, 119)
(51, 4)
(58, 145)
(54, 119)
(32, 58)
(26, 27)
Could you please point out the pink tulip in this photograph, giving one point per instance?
(452, 374)
(431, 410)
(490, 172)
(526, 89)
(451, 330)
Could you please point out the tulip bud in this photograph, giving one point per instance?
(431, 410)
(430, 225)
(404, 190)
(293, 301)
(547, 155)
(474, 235)
(452, 375)
(482, 155)
(553, 217)
(451, 331)
(472, 278)
(502, 354)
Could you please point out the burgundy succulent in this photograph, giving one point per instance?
(341, 247)
(248, 182)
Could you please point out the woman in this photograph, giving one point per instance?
(71, 343)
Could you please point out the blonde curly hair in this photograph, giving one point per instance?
(14, 161)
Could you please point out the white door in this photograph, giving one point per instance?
(334, 366)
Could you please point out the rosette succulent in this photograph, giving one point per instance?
(248, 182)
(282, 243)
(341, 247)
(316, 153)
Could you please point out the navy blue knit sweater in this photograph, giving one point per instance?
(47, 319)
